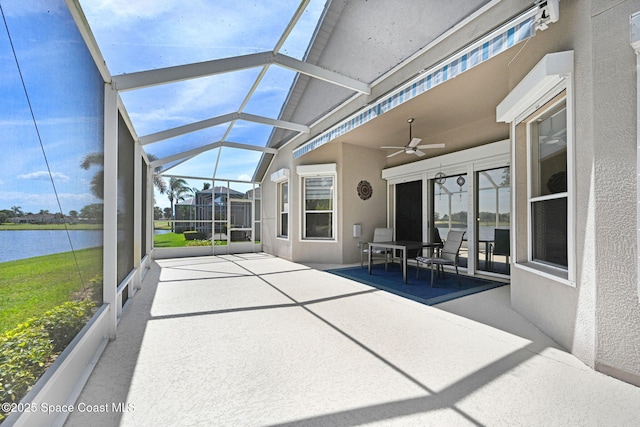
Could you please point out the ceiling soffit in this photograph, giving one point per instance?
(363, 42)
(474, 54)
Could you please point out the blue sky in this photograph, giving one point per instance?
(69, 121)
(133, 36)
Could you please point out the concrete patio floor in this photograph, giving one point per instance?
(246, 340)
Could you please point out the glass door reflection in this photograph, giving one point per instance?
(450, 208)
(493, 204)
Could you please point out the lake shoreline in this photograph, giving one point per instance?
(21, 227)
(23, 244)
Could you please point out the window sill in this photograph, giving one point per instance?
(318, 240)
(551, 273)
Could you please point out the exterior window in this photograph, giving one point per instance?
(318, 209)
(540, 110)
(283, 209)
(548, 199)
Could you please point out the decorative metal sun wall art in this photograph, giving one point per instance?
(364, 190)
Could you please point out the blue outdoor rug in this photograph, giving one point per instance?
(444, 289)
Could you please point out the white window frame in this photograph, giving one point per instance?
(328, 170)
(548, 79)
(280, 177)
(284, 208)
(532, 175)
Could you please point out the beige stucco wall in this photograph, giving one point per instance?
(599, 319)
(310, 250)
(565, 313)
(353, 164)
(614, 142)
(361, 164)
(270, 242)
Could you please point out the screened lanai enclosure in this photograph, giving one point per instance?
(205, 125)
(142, 131)
(220, 216)
(104, 106)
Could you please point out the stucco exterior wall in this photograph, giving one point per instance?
(270, 242)
(354, 164)
(566, 314)
(614, 130)
(598, 319)
(294, 248)
(361, 164)
(313, 250)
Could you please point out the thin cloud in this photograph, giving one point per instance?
(45, 176)
(126, 9)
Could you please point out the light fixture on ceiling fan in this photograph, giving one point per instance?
(413, 147)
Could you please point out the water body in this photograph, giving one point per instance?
(20, 244)
(485, 232)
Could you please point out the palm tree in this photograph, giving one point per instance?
(175, 192)
(158, 182)
(97, 182)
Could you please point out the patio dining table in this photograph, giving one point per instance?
(402, 245)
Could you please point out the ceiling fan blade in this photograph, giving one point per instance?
(419, 153)
(414, 142)
(389, 146)
(424, 147)
(396, 153)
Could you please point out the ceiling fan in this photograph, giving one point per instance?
(413, 147)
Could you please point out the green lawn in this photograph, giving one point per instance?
(162, 224)
(177, 240)
(169, 240)
(29, 287)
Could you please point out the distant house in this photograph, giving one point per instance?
(43, 218)
(195, 213)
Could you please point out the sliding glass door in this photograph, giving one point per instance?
(493, 202)
(409, 213)
(450, 209)
(465, 191)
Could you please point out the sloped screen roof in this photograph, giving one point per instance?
(147, 35)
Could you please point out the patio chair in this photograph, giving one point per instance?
(379, 235)
(435, 238)
(501, 244)
(448, 255)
